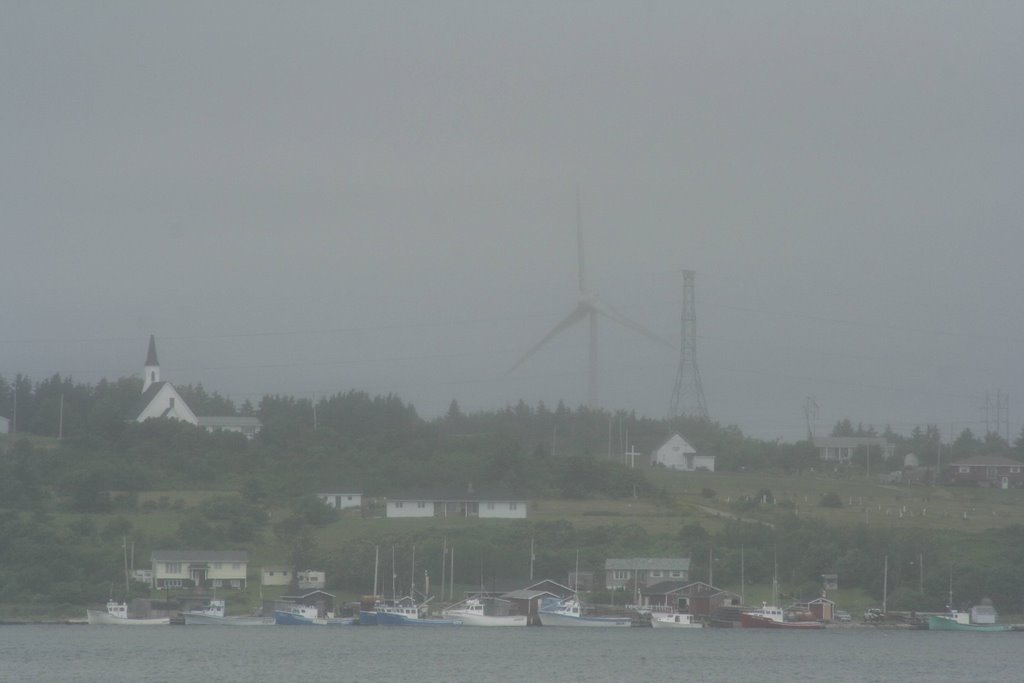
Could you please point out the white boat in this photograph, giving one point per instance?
(570, 613)
(214, 614)
(117, 615)
(674, 621)
(471, 612)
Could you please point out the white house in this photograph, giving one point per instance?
(161, 399)
(455, 506)
(310, 579)
(276, 575)
(677, 454)
(342, 501)
(199, 568)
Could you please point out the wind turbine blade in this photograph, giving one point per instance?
(574, 317)
(582, 273)
(607, 311)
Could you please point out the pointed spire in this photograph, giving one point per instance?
(151, 354)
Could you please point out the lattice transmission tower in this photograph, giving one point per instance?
(688, 395)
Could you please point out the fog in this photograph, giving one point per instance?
(307, 198)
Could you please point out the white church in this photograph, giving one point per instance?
(161, 399)
(677, 454)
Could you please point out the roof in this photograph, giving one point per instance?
(647, 563)
(151, 353)
(147, 397)
(228, 421)
(988, 461)
(526, 594)
(489, 495)
(677, 435)
(850, 441)
(200, 556)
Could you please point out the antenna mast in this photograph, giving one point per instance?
(688, 394)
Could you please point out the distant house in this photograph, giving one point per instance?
(342, 501)
(309, 579)
(841, 449)
(199, 568)
(276, 575)
(456, 505)
(677, 454)
(245, 425)
(818, 609)
(645, 571)
(986, 470)
(161, 400)
(696, 598)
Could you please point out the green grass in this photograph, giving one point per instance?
(923, 507)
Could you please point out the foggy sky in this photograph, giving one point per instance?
(307, 198)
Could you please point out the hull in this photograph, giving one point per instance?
(557, 619)
(755, 621)
(282, 618)
(484, 620)
(675, 621)
(207, 620)
(394, 619)
(367, 618)
(947, 624)
(94, 616)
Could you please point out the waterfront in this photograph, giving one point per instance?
(230, 655)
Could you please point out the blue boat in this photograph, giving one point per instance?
(405, 612)
(307, 615)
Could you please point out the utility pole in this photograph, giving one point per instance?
(688, 394)
(885, 585)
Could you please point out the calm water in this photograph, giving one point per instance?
(278, 653)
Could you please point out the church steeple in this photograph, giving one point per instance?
(152, 371)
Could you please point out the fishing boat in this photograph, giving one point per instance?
(471, 612)
(214, 614)
(308, 615)
(674, 620)
(570, 613)
(770, 616)
(405, 612)
(117, 615)
(961, 621)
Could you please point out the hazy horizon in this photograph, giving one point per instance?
(311, 199)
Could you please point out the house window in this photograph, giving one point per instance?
(398, 504)
(513, 506)
(172, 401)
(655, 573)
(172, 583)
(217, 583)
(965, 470)
(676, 574)
(236, 565)
(217, 565)
(172, 567)
(421, 504)
(1014, 470)
(620, 575)
(490, 506)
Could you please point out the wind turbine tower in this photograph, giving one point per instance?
(688, 395)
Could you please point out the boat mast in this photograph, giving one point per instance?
(743, 581)
(394, 575)
(376, 566)
(885, 584)
(451, 578)
(444, 562)
(412, 578)
(124, 546)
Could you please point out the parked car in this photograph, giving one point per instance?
(873, 615)
(841, 615)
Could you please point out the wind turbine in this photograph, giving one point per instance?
(588, 308)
